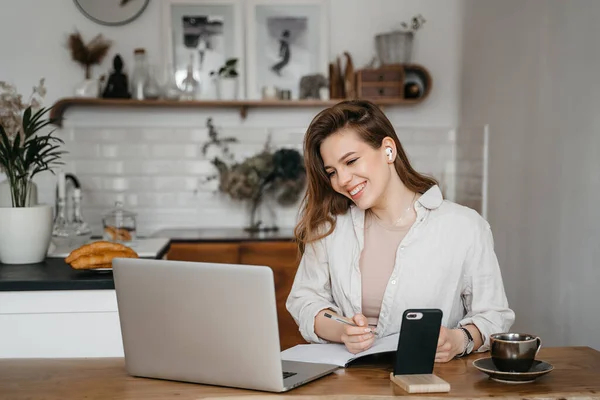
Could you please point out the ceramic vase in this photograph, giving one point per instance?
(89, 88)
(25, 234)
(227, 88)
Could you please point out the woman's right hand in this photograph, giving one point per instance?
(358, 338)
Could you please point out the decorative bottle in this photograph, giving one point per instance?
(139, 75)
(80, 227)
(190, 85)
(61, 230)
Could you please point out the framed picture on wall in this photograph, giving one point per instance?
(285, 40)
(203, 35)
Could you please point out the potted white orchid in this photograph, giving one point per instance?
(24, 152)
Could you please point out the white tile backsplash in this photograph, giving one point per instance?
(96, 167)
(157, 169)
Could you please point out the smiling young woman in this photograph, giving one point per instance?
(377, 238)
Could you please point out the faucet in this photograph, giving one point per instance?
(69, 227)
(75, 184)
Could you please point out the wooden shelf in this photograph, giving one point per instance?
(63, 104)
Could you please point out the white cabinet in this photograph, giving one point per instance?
(59, 324)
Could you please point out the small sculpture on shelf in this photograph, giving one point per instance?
(117, 86)
(310, 86)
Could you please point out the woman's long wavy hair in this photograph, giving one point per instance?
(321, 203)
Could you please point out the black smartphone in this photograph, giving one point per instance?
(418, 340)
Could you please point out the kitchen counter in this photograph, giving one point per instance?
(54, 274)
(51, 274)
(223, 235)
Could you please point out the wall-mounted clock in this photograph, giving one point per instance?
(112, 12)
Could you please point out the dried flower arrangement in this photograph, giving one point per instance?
(278, 174)
(88, 54)
(23, 152)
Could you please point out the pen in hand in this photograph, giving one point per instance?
(342, 320)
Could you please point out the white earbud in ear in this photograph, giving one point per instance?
(390, 153)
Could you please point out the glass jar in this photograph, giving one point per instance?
(139, 75)
(170, 89)
(152, 87)
(119, 225)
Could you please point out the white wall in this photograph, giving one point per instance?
(118, 154)
(529, 71)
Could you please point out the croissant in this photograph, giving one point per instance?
(101, 260)
(95, 247)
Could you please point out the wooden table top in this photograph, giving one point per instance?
(576, 375)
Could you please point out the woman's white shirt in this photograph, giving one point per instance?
(445, 261)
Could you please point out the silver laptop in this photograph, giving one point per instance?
(206, 323)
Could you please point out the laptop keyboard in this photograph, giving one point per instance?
(288, 374)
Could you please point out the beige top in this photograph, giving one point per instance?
(377, 263)
(446, 261)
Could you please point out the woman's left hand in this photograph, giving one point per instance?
(450, 343)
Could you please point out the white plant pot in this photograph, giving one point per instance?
(25, 234)
(227, 88)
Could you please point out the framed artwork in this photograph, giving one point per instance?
(203, 34)
(285, 40)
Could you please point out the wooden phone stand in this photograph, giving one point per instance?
(421, 383)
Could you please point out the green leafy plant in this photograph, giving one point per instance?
(24, 152)
(228, 70)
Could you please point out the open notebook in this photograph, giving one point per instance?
(335, 353)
